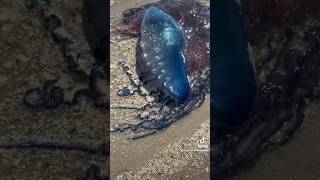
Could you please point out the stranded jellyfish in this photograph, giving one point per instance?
(172, 58)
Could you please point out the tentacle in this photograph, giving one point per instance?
(51, 144)
(165, 113)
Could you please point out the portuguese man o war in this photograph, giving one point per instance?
(233, 78)
(162, 65)
(172, 58)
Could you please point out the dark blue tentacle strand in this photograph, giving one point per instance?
(233, 77)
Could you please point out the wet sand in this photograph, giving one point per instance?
(166, 154)
(299, 159)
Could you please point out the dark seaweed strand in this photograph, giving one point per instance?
(50, 144)
(149, 125)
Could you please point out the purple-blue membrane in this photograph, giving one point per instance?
(233, 79)
(160, 63)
